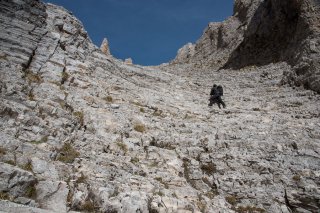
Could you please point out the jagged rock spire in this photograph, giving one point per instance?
(105, 47)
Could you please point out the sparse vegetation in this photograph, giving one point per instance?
(134, 160)
(44, 139)
(209, 168)
(142, 110)
(31, 96)
(87, 206)
(213, 186)
(210, 195)
(82, 179)
(117, 88)
(139, 128)
(160, 193)
(108, 99)
(157, 112)
(27, 166)
(163, 145)
(160, 180)
(80, 117)
(3, 151)
(33, 78)
(70, 196)
(115, 192)
(31, 191)
(67, 153)
(187, 116)
(231, 199)
(4, 196)
(122, 146)
(65, 77)
(187, 172)
(154, 164)
(3, 56)
(296, 178)
(11, 162)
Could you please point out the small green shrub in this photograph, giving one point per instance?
(67, 153)
(157, 113)
(139, 128)
(154, 164)
(108, 99)
(160, 180)
(160, 193)
(80, 117)
(115, 192)
(31, 191)
(3, 57)
(122, 146)
(134, 160)
(296, 178)
(82, 179)
(142, 110)
(4, 196)
(3, 151)
(210, 195)
(117, 88)
(11, 162)
(87, 206)
(27, 166)
(33, 78)
(65, 77)
(161, 144)
(209, 168)
(231, 199)
(31, 96)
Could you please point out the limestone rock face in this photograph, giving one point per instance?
(105, 47)
(185, 53)
(264, 32)
(219, 39)
(284, 31)
(83, 131)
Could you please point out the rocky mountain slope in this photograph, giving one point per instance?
(81, 131)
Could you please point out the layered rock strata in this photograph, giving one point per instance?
(82, 131)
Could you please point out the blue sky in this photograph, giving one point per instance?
(148, 31)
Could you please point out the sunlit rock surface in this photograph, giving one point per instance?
(83, 131)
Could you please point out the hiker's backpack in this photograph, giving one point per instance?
(220, 90)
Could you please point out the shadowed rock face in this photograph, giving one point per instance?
(283, 31)
(264, 32)
(219, 39)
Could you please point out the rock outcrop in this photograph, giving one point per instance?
(264, 32)
(128, 61)
(105, 47)
(219, 40)
(284, 31)
(83, 131)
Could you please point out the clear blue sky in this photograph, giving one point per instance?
(148, 31)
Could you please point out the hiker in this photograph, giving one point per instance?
(215, 96)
